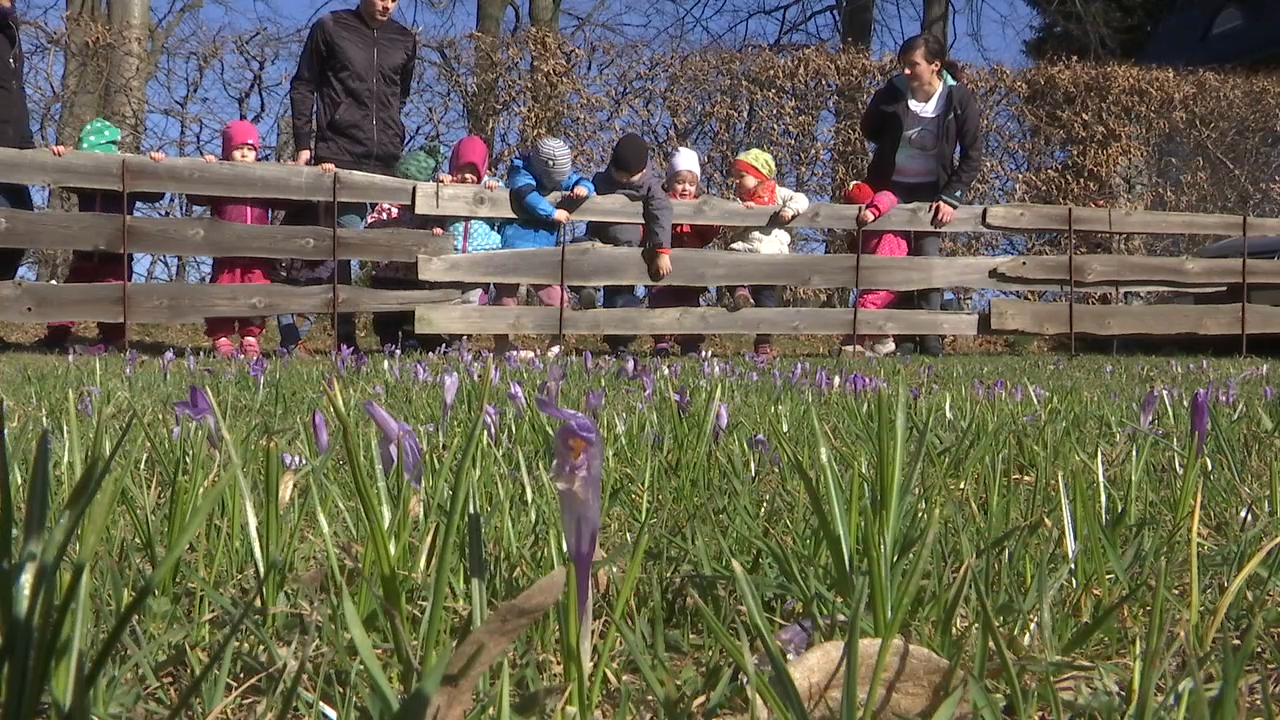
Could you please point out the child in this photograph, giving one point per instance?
(753, 174)
(628, 175)
(395, 328)
(888, 244)
(240, 143)
(545, 168)
(99, 136)
(684, 172)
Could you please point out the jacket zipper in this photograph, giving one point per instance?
(373, 151)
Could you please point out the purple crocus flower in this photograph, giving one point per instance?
(822, 380)
(292, 462)
(420, 374)
(1200, 419)
(794, 638)
(85, 405)
(555, 378)
(320, 431)
(1267, 393)
(594, 402)
(515, 394)
(646, 379)
(165, 360)
(344, 356)
(491, 422)
(449, 392)
(258, 370)
(130, 362)
(722, 420)
(586, 361)
(681, 397)
(628, 368)
(191, 362)
(396, 441)
(1147, 412)
(198, 408)
(576, 470)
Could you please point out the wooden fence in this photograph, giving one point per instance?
(593, 265)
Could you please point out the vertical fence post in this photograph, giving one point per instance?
(1244, 286)
(564, 234)
(124, 249)
(333, 276)
(1071, 276)
(857, 281)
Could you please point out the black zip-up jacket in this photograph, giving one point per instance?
(356, 80)
(884, 120)
(15, 118)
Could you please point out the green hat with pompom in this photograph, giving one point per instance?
(421, 165)
(99, 136)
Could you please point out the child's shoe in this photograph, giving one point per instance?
(56, 338)
(224, 347)
(742, 299)
(765, 351)
(249, 347)
(882, 347)
(662, 349)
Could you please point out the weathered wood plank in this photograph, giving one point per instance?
(213, 238)
(1025, 217)
(196, 177)
(168, 303)
(1055, 319)
(781, 321)
(595, 264)
(473, 201)
(1126, 270)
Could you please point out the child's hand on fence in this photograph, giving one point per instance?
(942, 214)
(786, 215)
(437, 231)
(865, 218)
(209, 158)
(328, 167)
(156, 156)
(58, 150)
(579, 192)
(659, 266)
(444, 179)
(748, 204)
(492, 184)
(561, 216)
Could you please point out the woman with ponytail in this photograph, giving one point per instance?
(919, 121)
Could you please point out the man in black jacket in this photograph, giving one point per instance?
(349, 91)
(15, 124)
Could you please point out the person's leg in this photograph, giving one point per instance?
(765, 296)
(113, 268)
(928, 245)
(16, 197)
(350, 216)
(620, 296)
(505, 296)
(82, 270)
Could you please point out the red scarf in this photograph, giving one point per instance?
(766, 193)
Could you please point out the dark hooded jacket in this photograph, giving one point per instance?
(15, 118)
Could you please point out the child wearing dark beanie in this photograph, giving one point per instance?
(629, 175)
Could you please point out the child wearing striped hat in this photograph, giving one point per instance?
(88, 266)
(753, 173)
(534, 174)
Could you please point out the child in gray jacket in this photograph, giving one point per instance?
(629, 175)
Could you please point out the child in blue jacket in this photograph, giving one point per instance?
(533, 175)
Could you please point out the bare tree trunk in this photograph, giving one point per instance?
(936, 18)
(857, 18)
(545, 14)
(481, 107)
(546, 64)
(129, 70)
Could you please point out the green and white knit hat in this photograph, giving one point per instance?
(421, 165)
(99, 136)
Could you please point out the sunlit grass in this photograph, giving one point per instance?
(1007, 513)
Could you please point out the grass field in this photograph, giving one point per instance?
(1022, 517)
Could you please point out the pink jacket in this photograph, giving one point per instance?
(237, 210)
(883, 242)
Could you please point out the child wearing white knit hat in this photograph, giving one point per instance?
(684, 172)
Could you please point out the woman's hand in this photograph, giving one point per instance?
(209, 158)
(942, 214)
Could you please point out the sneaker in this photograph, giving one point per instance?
(882, 347)
(661, 350)
(766, 352)
(588, 299)
(249, 346)
(224, 347)
(852, 350)
(56, 339)
(742, 299)
(931, 345)
(554, 351)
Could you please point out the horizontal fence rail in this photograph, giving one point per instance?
(591, 264)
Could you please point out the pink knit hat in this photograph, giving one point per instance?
(470, 150)
(237, 133)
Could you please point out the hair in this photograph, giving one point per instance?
(934, 51)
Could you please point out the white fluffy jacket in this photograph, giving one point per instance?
(767, 240)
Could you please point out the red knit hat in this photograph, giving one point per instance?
(858, 193)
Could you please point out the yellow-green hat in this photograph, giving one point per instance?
(760, 160)
(99, 136)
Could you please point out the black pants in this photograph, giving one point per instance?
(765, 296)
(921, 244)
(17, 197)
